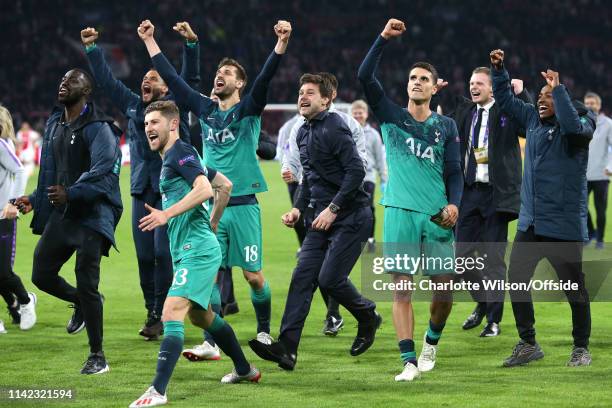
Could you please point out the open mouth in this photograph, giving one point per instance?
(417, 90)
(475, 94)
(146, 89)
(304, 104)
(219, 83)
(152, 136)
(63, 91)
(542, 108)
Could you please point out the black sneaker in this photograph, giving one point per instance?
(76, 322)
(474, 319)
(333, 326)
(275, 352)
(524, 353)
(95, 364)
(366, 332)
(14, 313)
(153, 327)
(491, 330)
(580, 357)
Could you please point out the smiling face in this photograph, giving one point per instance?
(153, 87)
(360, 115)
(73, 86)
(421, 85)
(227, 82)
(481, 90)
(546, 108)
(157, 129)
(310, 101)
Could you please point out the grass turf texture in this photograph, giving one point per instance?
(468, 371)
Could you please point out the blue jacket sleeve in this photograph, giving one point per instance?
(256, 99)
(570, 122)
(120, 94)
(453, 176)
(523, 112)
(190, 68)
(375, 94)
(105, 158)
(302, 196)
(184, 94)
(344, 148)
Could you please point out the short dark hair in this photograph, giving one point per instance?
(325, 87)
(168, 109)
(240, 71)
(428, 67)
(328, 76)
(88, 77)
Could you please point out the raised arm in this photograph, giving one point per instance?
(524, 113)
(258, 95)
(571, 124)
(374, 91)
(116, 90)
(184, 94)
(190, 68)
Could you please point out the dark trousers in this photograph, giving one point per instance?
(480, 228)
(300, 229)
(326, 260)
(600, 196)
(10, 284)
(566, 258)
(153, 253)
(60, 239)
(370, 188)
(226, 286)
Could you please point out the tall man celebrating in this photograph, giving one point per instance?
(424, 180)
(230, 129)
(77, 205)
(152, 249)
(553, 205)
(338, 219)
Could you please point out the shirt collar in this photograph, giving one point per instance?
(320, 116)
(488, 106)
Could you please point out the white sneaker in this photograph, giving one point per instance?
(409, 373)
(265, 338)
(151, 398)
(201, 352)
(427, 359)
(233, 378)
(28, 313)
(2, 329)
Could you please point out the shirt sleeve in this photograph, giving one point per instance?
(211, 173)
(344, 148)
(186, 163)
(453, 176)
(256, 99)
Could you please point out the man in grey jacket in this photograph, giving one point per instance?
(375, 151)
(599, 168)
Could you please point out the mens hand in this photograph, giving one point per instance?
(23, 204)
(551, 77)
(394, 28)
(57, 195)
(517, 86)
(288, 177)
(324, 220)
(10, 212)
(282, 29)
(146, 30)
(290, 218)
(184, 29)
(441, 84)
(157, 218)
(89, 36)
(451, 213)
(497, 58)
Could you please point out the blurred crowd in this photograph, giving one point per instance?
(40, 41)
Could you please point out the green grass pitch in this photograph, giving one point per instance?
(468, 371)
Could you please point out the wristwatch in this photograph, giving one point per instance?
(333, 208)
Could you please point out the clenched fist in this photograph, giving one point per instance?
(89, 36)
(394, 28)
(146, 30)
(282, 29)
(184, 29)
(497, 58)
